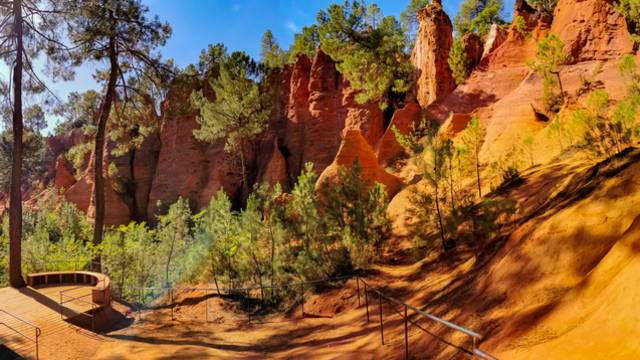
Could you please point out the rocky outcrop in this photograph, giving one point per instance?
(474, 48)
(367, 118)
(276, 170)
(591, 30)
(144, 165)
(454, 124)
(496, 37)
(431, 54)
(63, 178)
(298, 115)
(388, 148)
(181, 166)
(322, 131)
(354, 147)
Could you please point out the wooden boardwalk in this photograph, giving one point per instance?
(41, 307)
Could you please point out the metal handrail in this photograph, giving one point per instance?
(80, 299)
(474, 335)
(38, 331)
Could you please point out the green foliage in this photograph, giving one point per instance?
(55, 237)
(77, 155)
(510, 175)
(412, 141)
(174, 240)
(240, 111)
(630, 9)
(129, 255)
(544, 6)
(80, 111)
(409, 19)
(550, 57)
(35, 158)
(305, 43)
(521, 26)
(271, 55)
(458, 61)
(478, 16)
(472, 139)
(369, 50)
(357, 210)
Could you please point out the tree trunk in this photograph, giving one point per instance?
(98, 176)
(444, 240)
(169, 257)
(453, 201)
(15, 201)
(557, 74)
(245, 184)
(477, 156)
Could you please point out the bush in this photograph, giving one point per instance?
(510, 175)
(458, 61)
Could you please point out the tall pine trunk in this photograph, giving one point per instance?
(105, 111)
(15, 201)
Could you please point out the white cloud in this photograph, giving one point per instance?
(291, 26)
(235, 7)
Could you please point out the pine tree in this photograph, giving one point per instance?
(473, 137)
(549, 59)
(409, 18)
(240, 111)
(119, 33)
(478, 16)
(370, 50)
(305, 43)
(271, 54)
(458, 61)
(27, 29)
(544, 6)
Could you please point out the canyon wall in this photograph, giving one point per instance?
(316, 119)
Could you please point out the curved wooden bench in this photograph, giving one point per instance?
(100, 294)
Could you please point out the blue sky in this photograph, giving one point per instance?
(239, 24)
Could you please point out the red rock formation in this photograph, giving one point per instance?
(474, 48)
(276, 170)
(454, 124)
(355, 147)
(388, 147)
(591, 29)
(496, 37)
(298, 115)
(63, 177)
(367, 118)
(322, 132)
(431, 54)
(180, 171)
(144, 171)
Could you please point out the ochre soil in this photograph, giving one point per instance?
(561, 284)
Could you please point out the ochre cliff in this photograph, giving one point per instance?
(317, 119)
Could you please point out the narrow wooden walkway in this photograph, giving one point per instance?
(41, 308)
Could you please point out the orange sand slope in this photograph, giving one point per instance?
(563, 285)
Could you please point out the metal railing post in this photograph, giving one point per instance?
(37, 344)
(140, 297)
(406, 334)
(206, 309)
(358, 289)
(171, 295)
(302, 298)
(381, 322)
(366, 301)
